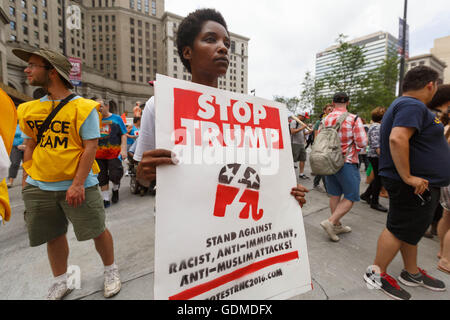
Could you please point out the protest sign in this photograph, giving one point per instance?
(226, 224)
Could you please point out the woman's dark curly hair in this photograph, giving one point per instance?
(191, 26)
(378, 113)
(442, 96)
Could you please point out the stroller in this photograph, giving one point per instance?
(135, 186)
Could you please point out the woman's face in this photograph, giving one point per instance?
(209, 57)
(444, 108)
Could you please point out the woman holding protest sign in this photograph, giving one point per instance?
(203, 43)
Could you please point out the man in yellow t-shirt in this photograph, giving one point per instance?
(61, 185)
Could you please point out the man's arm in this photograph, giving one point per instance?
(399, 146)
(30, 145)
(123, 147)
(294, 131)
(75, 194)
(360, 134)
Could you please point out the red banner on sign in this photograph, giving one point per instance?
(233, 120)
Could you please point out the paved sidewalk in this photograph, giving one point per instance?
(337, 268)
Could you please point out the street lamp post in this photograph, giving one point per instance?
(402, 59)
(63, 5)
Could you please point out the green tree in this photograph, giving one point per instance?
(310, 97)
(291, 103)
(367, 89)
(347, 72)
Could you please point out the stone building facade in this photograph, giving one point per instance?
(122, 44)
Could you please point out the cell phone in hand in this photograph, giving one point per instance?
(424, 197)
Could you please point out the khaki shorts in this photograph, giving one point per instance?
(298, 152)
(47, 215)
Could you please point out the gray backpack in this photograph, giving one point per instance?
(326, 155)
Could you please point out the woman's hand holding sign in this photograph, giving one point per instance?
(299, 192)
(146, 172)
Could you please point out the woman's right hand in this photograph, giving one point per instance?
(146, 171)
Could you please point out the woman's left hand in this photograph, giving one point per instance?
(299, 192)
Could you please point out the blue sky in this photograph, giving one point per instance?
(286, 34)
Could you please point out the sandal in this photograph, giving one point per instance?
(443, 269)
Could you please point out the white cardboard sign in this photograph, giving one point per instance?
(226, 224)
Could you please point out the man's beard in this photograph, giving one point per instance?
(43, 83)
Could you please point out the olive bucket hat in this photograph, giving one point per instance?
(56, 59)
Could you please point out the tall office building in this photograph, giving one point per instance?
(441, 50)
(376, 45)
(122, 45)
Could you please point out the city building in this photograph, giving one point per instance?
(441, 50)
(122, 44)
(428, 60)
(4, 20)
(376, 45)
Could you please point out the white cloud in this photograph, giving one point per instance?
(285, 35)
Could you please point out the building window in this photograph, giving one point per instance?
(131, 4)
(12, 11)
(24, 17)
(23, 4)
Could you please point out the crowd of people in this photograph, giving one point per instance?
(406, 147)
